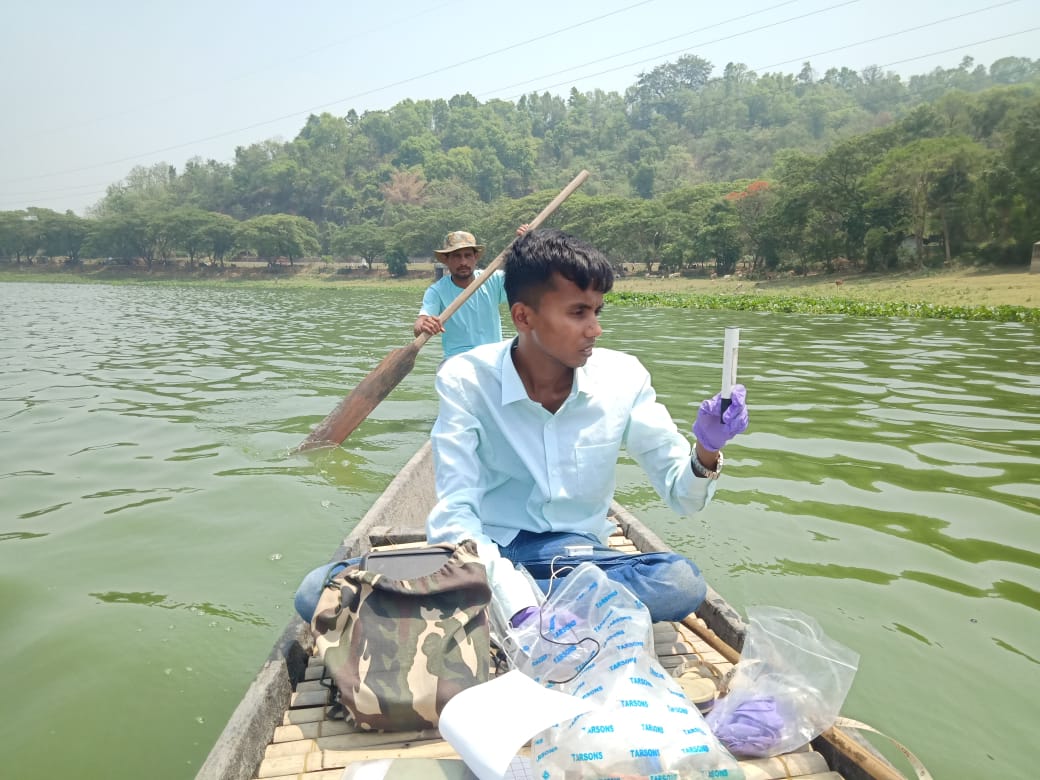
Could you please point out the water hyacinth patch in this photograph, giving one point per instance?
(824, 305)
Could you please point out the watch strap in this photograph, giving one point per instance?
(703, 471)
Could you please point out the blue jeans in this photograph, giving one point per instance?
(307, 595)
(669, 585)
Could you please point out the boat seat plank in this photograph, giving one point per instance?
(289, 765)
(355, 740)
(789, 765)
(674, 644)
(294, 748)
(316, 698)
(310, 685)
(325, 774)
(303, 715)
(339, 759)
(429, 749)
(808, 765)
(320, 728)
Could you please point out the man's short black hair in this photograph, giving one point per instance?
(538, 254)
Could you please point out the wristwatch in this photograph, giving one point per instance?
(703, 471)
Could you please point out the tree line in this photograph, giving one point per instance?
(788, 172)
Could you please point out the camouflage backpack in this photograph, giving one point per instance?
(398, 650)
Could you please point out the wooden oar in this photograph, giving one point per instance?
(352, 410)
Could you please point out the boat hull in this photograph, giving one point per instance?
(398, 517)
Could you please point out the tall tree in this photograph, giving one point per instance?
(19, 236)
(932, 175)
(61, 235)
(188, 230)
(754, 207)
(281, 235)
(221, 233)
(367, 240)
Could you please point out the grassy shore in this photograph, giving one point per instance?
(958, 287)
(960, 293)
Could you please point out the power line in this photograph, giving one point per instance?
(806, 57)
(512, 46)
(797, 59)
(961, 48)
(420, 76)
(705, 43)
(312, 109)
(639, 48)
(64, 189)
(49, 198)
(279, 63)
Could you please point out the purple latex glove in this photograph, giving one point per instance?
(554, 622)
(557, 628)
(523, 616)
(751, 729)
(713, 428)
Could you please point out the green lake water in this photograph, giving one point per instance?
(153, 525)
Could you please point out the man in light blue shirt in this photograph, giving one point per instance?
(478, 320)
(529, 432)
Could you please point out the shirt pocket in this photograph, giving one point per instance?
(594, 467)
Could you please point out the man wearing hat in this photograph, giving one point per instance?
(478, 320)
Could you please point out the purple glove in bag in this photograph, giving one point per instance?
(754, 728)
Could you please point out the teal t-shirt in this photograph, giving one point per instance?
(477, 321)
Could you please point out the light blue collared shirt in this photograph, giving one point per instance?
(505, 464)
(477, 321)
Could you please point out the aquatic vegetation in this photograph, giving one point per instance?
(827, 305)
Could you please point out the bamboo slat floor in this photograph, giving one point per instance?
(308, 746)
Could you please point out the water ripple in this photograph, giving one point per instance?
(887, 486)
(147, 599)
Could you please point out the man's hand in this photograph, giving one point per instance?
(713, 428)
(427, 323)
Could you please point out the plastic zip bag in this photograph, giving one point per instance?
(593, 639)
(787, 688)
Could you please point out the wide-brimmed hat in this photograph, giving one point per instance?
(459, 239)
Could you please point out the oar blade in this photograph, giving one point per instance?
(352, 410)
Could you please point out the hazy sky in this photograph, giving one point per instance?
(89, 90)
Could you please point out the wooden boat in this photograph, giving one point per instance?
(280, 729)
